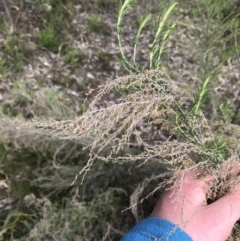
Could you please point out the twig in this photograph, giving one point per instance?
(7, 9)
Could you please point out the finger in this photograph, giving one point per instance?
(184, 199)
(193, 186)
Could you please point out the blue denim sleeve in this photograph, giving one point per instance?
(156, 229)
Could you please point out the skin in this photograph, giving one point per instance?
(186, 206)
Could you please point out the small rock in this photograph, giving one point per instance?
(90, 76)
(45, 8)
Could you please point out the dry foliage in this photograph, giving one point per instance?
(153, 120)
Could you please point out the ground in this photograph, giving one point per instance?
(52, 54)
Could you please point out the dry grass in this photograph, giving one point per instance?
(152, 104)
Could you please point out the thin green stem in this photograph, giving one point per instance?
(143, 23)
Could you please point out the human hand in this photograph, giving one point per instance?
(186, 206)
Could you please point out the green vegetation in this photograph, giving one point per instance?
(49, 39)
(144, 125)
(12, 52)
(74, 57)
(95, 23)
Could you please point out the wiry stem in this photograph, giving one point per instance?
(7, 9)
